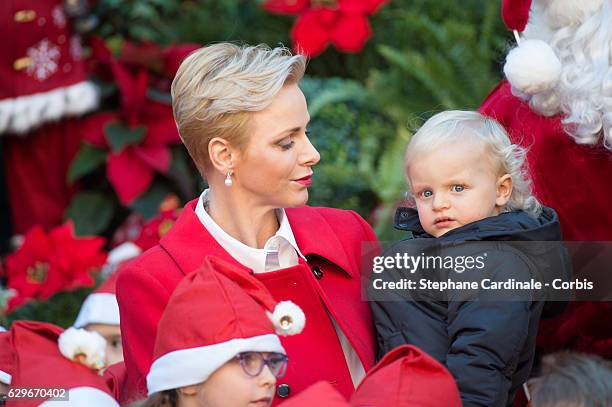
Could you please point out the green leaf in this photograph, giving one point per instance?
(389, 182)
(61, 309)
(119, 135)
(91, 212)
(87, 160)
(159, 96)
(181, 173)
(148, 203)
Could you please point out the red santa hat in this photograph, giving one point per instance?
(101, 306)
(516, 14)
(215, 313)
(409, 377)
(47, 356)
(321, 393)
(532, 67)
(6, 358)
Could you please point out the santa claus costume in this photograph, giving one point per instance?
(43, 84)
(557, 101)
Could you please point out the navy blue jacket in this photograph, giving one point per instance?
(486, 338)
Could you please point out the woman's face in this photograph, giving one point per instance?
(275, 168)
(230, 386)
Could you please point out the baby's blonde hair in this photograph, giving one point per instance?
(456, 125)
(218, 86)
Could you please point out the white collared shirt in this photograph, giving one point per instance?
(280, 251)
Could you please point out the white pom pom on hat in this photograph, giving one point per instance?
(532, 67)
(85, 347)
(287, 318)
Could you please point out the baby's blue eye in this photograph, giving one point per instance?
(458, 188)
(426, 194)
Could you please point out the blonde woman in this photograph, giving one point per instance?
(244, 121)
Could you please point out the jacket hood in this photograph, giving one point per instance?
(516, 225)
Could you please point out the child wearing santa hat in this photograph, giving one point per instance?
(59, 366)
(100, 310)
(224, 348)
(100, 313)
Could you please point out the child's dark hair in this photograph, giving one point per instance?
(573, 379)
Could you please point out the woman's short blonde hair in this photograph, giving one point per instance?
(456, 125)
(218, 86)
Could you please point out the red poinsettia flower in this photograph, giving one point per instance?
(343, 23)
(47, 263)
(162, 61)
(138, 136)
(146, 233)
(156, 228)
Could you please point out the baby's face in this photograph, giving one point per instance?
(454, 185)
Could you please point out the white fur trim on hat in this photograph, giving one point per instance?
(2, 329)
(123, 252)
(532, 67)
(186, 367)
(85, 347)
(5, 377)
(98, 308)
(287, 318)
(24, 113)
(84, 397)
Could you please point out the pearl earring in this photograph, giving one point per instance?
(228, 180)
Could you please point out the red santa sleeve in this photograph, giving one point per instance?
(142, 299)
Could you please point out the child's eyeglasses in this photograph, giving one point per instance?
(253, 363)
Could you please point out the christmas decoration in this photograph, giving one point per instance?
(343, 23)
(47, 263)
(137, 138)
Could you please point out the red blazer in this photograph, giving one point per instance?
(331, 240)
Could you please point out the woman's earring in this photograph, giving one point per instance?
(228, 179)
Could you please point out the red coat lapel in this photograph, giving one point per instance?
(188, 241)
(315, 236)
